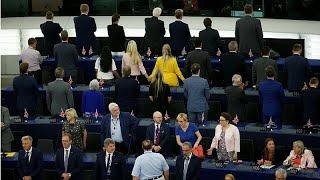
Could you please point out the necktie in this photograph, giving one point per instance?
(185, 167)
(157, 135)
(27, 157)
(66, 158)
(108, 164)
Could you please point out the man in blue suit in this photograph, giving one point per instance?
(120, 127)
(297, 69)
(85, 27)
(179, 34)
(110, 164)
(29, 160)
(271, 96)
(196, 91)
(68, 159)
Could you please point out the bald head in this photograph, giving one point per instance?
(157, 117)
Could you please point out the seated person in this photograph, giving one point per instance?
(270, 155)
(300, 157)
(93, 100)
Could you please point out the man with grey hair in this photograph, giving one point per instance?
(281, 174)
(29, 160)
(111, 164)
(120, 127)
(187, 164)
(93, 100)
(155, 31)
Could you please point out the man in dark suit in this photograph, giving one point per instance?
(188, 165)
(116, 35)
(200, 57)
(68, 159)
(6, 134)
(297, 69)
(179, 35)
(85, 27)
(210, 38)
(66, 56)
(249, 33)
(159, 133)
(196, 92)
(111, 164)
(311, 102)
(59, 94)
(50, 31)
(259, 66)
(127, 91)
(271, 96)
(26, 90)
(29, 163)
(232, 63)
(120, 127)
(154, 36)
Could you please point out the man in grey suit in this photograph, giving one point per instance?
(66, 56)
(259, 65)
(196, 91)
(6, 134)
(59, 94)
(249, 33)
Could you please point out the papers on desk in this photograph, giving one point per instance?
(10, 154)
(267, 166)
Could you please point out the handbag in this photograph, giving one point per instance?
(198, 151)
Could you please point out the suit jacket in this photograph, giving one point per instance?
(117, 38)
(194, 167)
(85, 27)
(33, 168)
(203, 59)
(232, 63)
(74, 162)
(93, 100)
(258, 69)
(236, 101)
(154, 37)
(118, 166)
(210, 40)
(128, 124)
(59, 95)
(50, 31)
(307, 159)
(126, 92)
(164, 137)
(66, 55)
(249, 34)
(180, 37)
(271, 97)
(311, 104)
(298, 71)
(26, 90)
(197, 93)
(6, 134)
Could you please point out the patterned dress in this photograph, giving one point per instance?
(222, 153)
(76, 130)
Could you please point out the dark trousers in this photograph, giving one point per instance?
(197, 117)
(121, 147)
(37, 75)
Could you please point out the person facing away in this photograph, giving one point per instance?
(6, 134)
(93, 100)
(210, 38)
(116, 35)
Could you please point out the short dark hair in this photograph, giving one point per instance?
(269, 71)
(248, 8)
(314, 81)
(195, 68)
(24, 67)
(67, 134)
(178, 13)
(115, 17)
(207, 22)
(147, 145)
(59, 72)
(31, 41)
(64, 35)
(226, 115)
(297, 47)
(126, 71)
(49, 15)
(197, 42)
(265, 51)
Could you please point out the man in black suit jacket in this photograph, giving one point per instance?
(311, 102)
(115, 168)
(68, 159)
(116, 35)
(297, 69)
(26, 90)
(67, 57)
(210, 38)
(179, 35)
(200, 57)
(232, 63)
(249, 33)
(188, 166)
(154, 36)
(29, 163)
(85, 27)
(159, 133)
(50, 31)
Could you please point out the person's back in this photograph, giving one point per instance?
(66, 55)
(93, 99)
(126, 92)
(311, 102)
(116, 35)
(210, 38)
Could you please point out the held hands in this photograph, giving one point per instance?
(156, 148)
(209, 151)
(218, 52)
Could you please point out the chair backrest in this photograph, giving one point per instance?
(88, 174)
(175, 148)
(49, 174)
(246, 150)
(214, 110)
(16, 143)
(93, 142)
(176, 107)
(252, 112)
(45, 145)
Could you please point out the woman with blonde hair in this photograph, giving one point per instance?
(132, 59)
(168, 65)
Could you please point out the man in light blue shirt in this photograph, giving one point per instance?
(150, 165)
